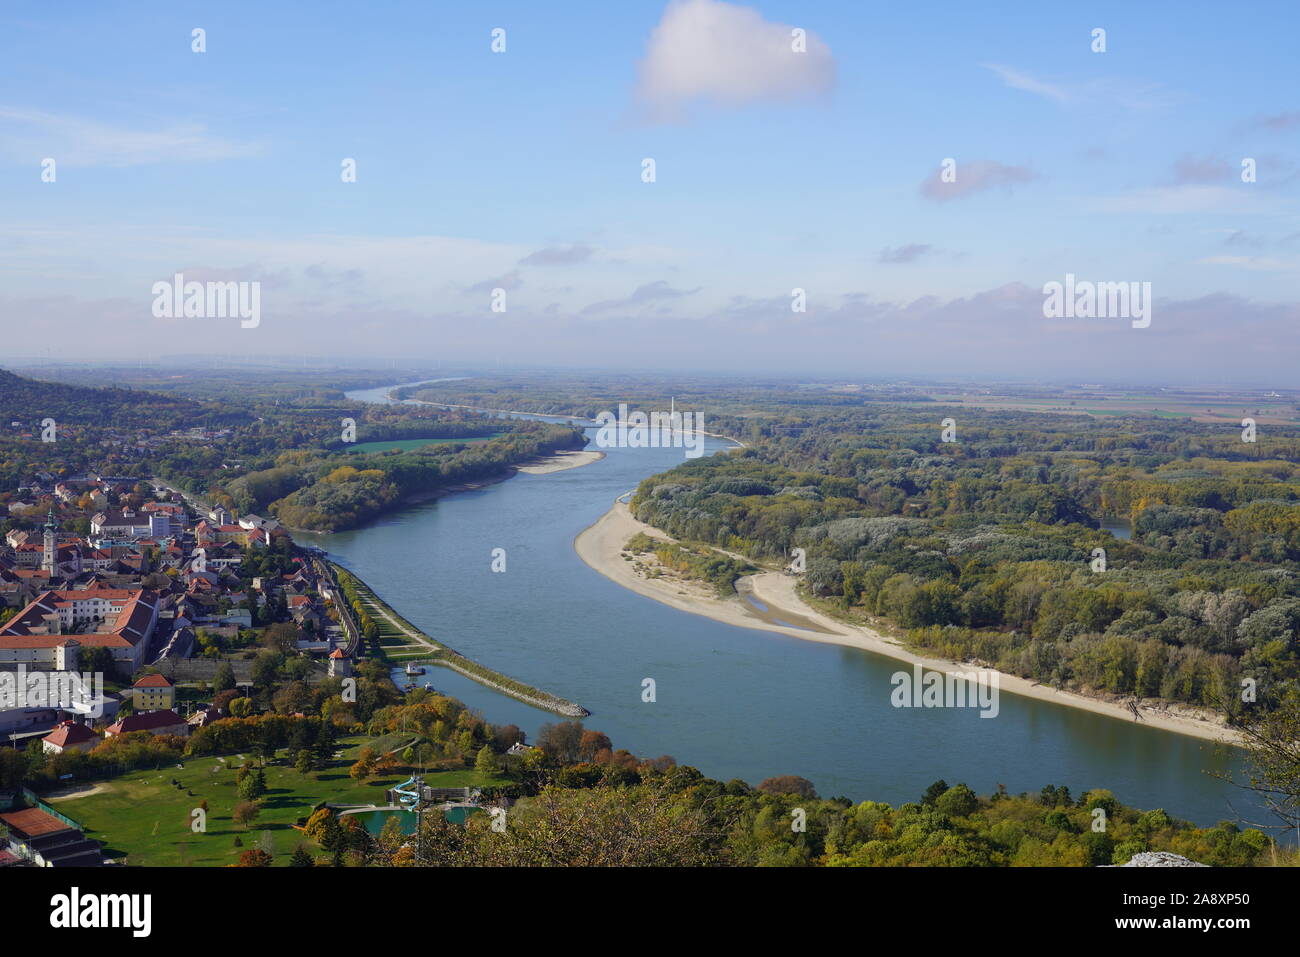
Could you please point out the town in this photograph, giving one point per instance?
(123, 578)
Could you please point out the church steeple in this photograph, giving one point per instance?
(48, 557)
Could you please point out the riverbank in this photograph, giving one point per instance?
(403, 643)
(542, 465)
(601, 547)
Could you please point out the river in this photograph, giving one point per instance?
(733, 702)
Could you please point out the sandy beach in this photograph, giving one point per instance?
(561, 461)
(601, 547)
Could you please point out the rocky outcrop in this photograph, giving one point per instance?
(1159, 859)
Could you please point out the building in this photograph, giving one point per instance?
(58, 560)
(27, 720)
(340, 665)
(69, 736)
(153, 693)
(67, 657)
(45, 840)
(120, 619)
(129, 525)
(203, 718)
(155, 722)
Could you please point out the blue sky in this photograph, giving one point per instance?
(521, 170)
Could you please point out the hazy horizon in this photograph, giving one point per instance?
(515, 178)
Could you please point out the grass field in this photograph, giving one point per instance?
(408, 444)
(143, 818)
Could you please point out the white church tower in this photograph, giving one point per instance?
(49, 557)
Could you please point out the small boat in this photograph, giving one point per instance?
(414, 670)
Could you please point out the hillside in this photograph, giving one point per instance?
(30, 400)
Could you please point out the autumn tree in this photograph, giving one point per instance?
(592, 742)
(788, 784)
(246, 813)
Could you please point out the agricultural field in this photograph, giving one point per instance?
(407, 445)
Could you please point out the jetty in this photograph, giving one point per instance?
(400, 642)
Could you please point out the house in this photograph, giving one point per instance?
(207, 533)
(28, 555)
(69, 492)
(173, 510)
(69, 736)
(49, 841)
(340, 665)
(155, 722)
(265, 525)
(153, 693)
(203, 718)
(236, 618)
(225, 555)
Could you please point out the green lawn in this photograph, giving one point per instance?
(143, 817)
(396, 645)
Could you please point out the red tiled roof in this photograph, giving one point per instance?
(138, 609)
(69, 732)
(152, 681)
(147, 721)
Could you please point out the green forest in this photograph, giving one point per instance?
(255, 447)
(989, 547)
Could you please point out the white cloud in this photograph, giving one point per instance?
(73, 141)
(1023, 81)
(975, 177)
(1133, 95)
(710, 51)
